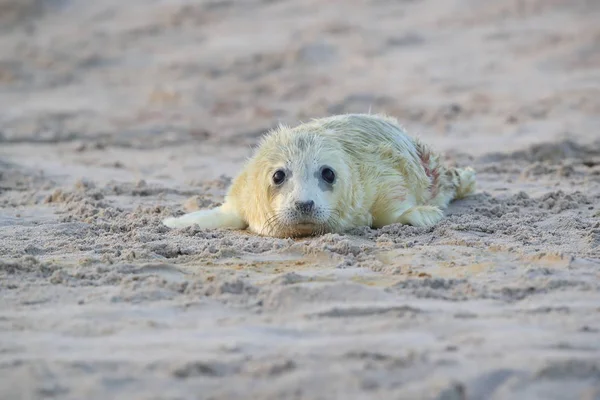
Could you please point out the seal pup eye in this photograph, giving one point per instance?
(328, 175)
(278, 177)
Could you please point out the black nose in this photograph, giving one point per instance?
(305, 207)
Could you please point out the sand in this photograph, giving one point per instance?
(114, 115)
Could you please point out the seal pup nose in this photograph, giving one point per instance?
(305, 207)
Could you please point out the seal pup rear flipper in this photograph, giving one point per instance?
(464, 182)
(222, 217)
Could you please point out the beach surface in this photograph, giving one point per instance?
(117, 114)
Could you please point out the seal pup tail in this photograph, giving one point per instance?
(222, 217)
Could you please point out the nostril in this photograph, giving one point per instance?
(305, 206)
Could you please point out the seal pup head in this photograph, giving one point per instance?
(304, 181)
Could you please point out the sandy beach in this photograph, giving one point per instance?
(115, 115)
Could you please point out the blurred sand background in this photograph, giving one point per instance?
(116, 114)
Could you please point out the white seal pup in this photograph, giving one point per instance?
(333, 174)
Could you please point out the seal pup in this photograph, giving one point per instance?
(333, 174)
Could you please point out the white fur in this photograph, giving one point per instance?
(382, 177)
(208, 219)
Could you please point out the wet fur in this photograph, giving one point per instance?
(384, 177)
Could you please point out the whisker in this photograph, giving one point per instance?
(271, 222)
(275, 224)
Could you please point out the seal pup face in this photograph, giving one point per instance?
(306, 182)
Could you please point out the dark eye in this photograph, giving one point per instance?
(328, 175)
(278, 177)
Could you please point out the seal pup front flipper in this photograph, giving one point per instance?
(423, 216)
(223, 217)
